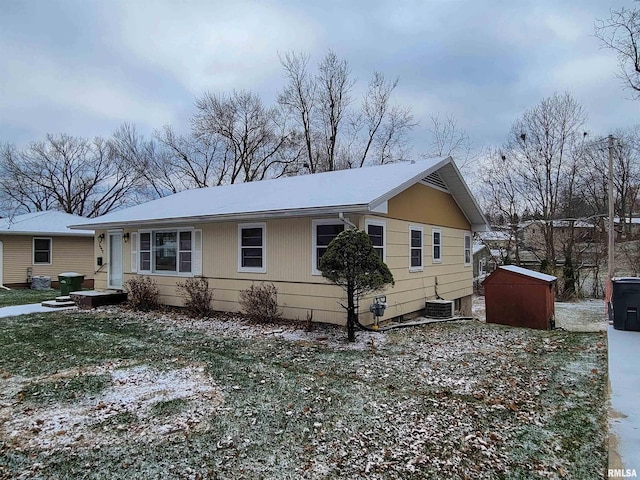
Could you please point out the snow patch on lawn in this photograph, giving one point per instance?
(580, 316)
(103, 418)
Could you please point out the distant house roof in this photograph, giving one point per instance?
(478, 247)
(633, 220)
(559, 223)
(359, 190)
(43, 223)
(494, 235)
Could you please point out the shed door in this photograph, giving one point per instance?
(115, 261)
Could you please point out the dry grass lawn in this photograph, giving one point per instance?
(114, 394)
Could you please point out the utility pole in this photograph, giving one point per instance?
(609, 287)
(611, 212)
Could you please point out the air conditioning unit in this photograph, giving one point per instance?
(439, 309)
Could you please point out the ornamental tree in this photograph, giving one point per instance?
(351, 263)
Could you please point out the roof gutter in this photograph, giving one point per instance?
(299, 212)
(82, 233)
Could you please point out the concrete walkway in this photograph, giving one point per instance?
(26, 309)
(624, 415)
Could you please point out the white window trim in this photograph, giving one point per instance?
(314, 240)
(419, 228)
(139, 240)
(133, 239)
(165, 273)
(33, 251)
(464, 252)
(383, 224)
(263, 227)
(433, 232)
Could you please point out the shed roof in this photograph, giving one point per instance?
(528, 273)
(49, 222)
(360, 190)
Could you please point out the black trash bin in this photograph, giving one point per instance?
(626, 303)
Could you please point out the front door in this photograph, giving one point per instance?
(115, 261)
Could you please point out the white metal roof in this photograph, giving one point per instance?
(477, 247)
(360, 190)
(43, 223)
(529, 273)
(495, 235)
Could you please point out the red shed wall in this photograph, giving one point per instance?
(516, 300)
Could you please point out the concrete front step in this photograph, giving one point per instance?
(57, 304)
(65, 298)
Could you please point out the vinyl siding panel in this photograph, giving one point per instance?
(68, 254)
(429, 206)
(289, 263)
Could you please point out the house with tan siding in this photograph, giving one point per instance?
(420, 217)
(40, 243)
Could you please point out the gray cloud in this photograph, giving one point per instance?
(86, 67)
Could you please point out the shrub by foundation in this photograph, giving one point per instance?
(197, 296)
(260, 302)
(143, 293)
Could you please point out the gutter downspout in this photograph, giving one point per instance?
(346, 221)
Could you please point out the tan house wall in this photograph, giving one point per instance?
(68, 254)
(427, 205)
(289, 261)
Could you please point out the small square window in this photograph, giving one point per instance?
(251, 248)
(42, 251)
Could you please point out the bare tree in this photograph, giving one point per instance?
(448, 139)
(299, 97)
(19, 192)
(626, 179)
(334, 97)
(252, 134)
(199, 161)
(68, 173)
(621, 33)
(335, 132)
(391, 141)
(540, 151)
(502, 198)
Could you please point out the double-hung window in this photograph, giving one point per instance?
(165, 251)
(323, 231)
(436, 237)
(252, 247)
(42, 251)
(415, 248)
(376, 232)
(467, 249)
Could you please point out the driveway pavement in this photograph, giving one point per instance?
(624, 417)
(25, 309)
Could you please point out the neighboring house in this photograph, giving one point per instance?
(627, 229)
(483, 261)
(532, 232)
(496, 239)
(420, 217)
(501, 244)
(40, 243)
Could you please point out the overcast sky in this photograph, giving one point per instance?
(84, 67)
